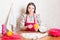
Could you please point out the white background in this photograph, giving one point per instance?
(49, 11)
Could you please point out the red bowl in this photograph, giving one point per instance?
(54, 32)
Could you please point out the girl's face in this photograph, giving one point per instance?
(31, 9)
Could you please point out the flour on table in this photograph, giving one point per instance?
(33, 35)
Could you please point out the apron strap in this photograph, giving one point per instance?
(34, 20)
(26, 19)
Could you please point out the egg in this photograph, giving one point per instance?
(9, 33)
(35, 26)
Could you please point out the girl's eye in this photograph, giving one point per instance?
(29, 7)
(32, 8)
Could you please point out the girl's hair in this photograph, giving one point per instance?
(31, 3)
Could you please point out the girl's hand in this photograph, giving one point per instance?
(36, 29)
(30, 26)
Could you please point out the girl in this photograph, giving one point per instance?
(30, 18)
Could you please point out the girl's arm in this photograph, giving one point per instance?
(22, 23)
(38, 20)
(42, 27)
